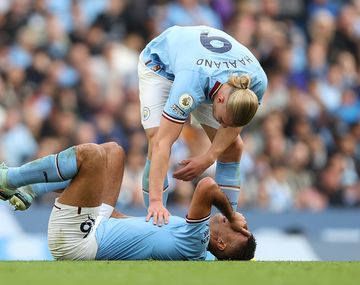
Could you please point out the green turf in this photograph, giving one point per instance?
(184, 273)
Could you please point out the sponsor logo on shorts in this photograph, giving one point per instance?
(177, 110)
(186, 101)
(145, 113)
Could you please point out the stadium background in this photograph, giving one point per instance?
(68, 75)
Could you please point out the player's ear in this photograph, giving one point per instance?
(220, 99)
(221, 244)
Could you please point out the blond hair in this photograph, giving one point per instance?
(243, 102)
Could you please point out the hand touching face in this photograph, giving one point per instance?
(239, 224)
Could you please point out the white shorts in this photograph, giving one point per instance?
(71, 232)
(154, 91)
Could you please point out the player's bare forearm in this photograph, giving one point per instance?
(158, 170)
(167, 134)
(237, 221)
(224, 137)
(207, 194)
(221, 202)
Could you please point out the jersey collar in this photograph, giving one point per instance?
(214, 90)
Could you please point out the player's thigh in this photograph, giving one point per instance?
(153, 93)
(86, 188)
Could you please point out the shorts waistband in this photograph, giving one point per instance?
(61, 206)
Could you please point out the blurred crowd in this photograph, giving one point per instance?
(68, 75)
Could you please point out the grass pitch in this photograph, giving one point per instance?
(174, 273)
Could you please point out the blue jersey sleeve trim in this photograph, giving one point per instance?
(172, 119)
(195, 221)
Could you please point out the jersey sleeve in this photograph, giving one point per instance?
(210, 256)
(186, 95)
(192, 239)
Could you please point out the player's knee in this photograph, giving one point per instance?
(91, 153)
(206, 184)
(151, 133)
(114, 150)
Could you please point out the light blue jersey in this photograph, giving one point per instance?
(136, 239)
(198, 60)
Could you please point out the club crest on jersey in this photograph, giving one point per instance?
(145, 113)
(186, 101)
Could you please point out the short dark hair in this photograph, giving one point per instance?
(246, 252)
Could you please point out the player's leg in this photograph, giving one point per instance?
(114, 174)
(76, 214)
(115, 166)
(154, 91)
(227, 174)
(150, 134)
(39, 189)
(99, 178)
(52, 168)
(115, 169)
(86, 188)
(28, 193)
(61, 167)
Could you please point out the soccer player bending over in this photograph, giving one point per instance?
(84, 224)
(203, 73)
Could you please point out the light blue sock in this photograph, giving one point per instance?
(52, 168)
(145, 185)
(40, 189)
(227, 175)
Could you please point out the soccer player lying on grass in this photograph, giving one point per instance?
(84, 224)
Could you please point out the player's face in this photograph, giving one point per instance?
(220, 113)
(220, 224)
